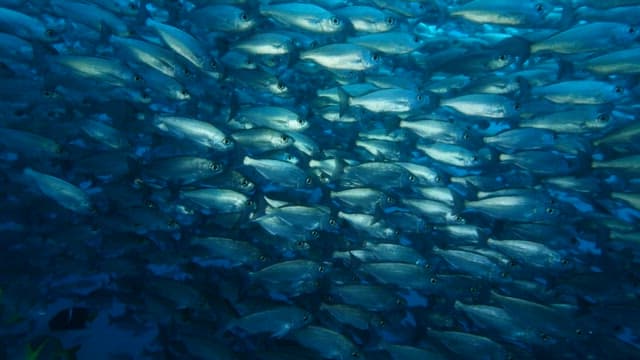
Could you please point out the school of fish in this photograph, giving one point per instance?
(321, 179)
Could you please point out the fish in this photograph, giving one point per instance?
(93, 16)
(231, 253)
(388, 42)
(272, 117)
(108, 71)
(580, 92)
(386, 101)
(280, 172)
(308, 17)
(617, 62)
(151, 55)
(25, 26)
(260, 140)
(402, 275)
(319, 179)
(484, 105)
(186, 46)
(277, 321)
(367, 18)
(67, 195)
(218, 200)
(525, 206)
(328, 343)
(574, 40)
(343, 57)
(198, 131)
(230, 18)
(503, 12)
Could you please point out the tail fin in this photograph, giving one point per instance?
(344, 100)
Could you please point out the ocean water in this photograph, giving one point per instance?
(322, 179)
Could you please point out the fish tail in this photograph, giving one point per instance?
(344, 101)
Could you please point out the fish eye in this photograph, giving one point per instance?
(564, 261)
(284, 138)
(250, 202)
(396, 232)
(390, 20)
(171, 222)
(308, 180)
(474, 158)
(438, 179)
(419, 97)
(184, 92)
(321, 268)
(149, 204)
(355, 354)
(502, 57)
(539, 7)
(244, 182)
(137, 77)
(226, 141)
(301, 121)
(517, 106)
(433, 280)
(315, 234)
(335, 21)
(412, 178)
(550, 211)
(619, 90)
(631, 30)
(376, 57)
(213, 63)
(332, 222)
(50, 32)
(465, 135)
(244, 16)
(215, 167)
(281, 86)
(459, 218)
(133, 6)
(603, 118)
(305, 317)
(390, 200)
